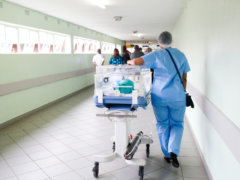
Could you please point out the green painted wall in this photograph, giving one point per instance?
(208, 33)
(16, 67)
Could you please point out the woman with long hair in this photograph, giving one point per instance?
(116, 58)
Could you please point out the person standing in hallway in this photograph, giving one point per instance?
(148, 50)
(126, 55)
(116, 58)
(137, 53)
(98, 59)
(168, 94)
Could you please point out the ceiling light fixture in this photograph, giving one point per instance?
(100, 3)
(137, 34)
(117, 18)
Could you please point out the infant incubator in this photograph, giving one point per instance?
(122, 89)
(122, 85)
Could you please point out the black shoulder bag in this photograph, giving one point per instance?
(189, 101)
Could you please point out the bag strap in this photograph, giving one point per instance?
(175, 67)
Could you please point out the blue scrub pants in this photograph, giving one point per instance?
(170, 124)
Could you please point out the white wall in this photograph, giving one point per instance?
(208, 32)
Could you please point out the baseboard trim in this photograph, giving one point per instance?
(200, 152)
(12, 121)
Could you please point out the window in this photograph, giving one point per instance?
(11, 42)
(19, 39)
(59, 44)
(107, 48)
(2, 38)
(23, 40)
(44, 42)
(33, 42)
(85, 46)
(119, 47)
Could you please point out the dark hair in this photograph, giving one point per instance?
(117, 53)
(136, 47)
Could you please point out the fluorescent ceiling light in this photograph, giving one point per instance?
(137, 34)
(100, 3)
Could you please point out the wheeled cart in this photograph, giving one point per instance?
(122, 90)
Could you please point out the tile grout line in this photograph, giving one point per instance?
(10, 168)
(31, 159)
(41, 158)
(59, 154)
(41, 144)
(54, 114)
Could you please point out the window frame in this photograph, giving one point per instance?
(67, 39)
(108, 46)
(86, 42)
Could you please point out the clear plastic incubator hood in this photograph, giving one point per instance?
(122, 85)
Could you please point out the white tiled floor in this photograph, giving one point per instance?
(58, 143)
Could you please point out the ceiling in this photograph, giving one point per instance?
(148, 17)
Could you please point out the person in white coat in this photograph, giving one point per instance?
(98, 59)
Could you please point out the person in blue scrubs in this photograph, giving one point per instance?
(116, 58)
(168, 94)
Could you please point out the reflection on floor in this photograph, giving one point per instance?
(58, 143)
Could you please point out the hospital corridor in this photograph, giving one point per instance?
(119, 90)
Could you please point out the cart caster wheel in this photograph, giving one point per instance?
(96, 169)
(147, 150)
(141, 172)
(114, 147)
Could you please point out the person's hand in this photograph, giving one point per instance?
(131, 62)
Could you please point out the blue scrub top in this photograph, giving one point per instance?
(167, 85)
(118, 60)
